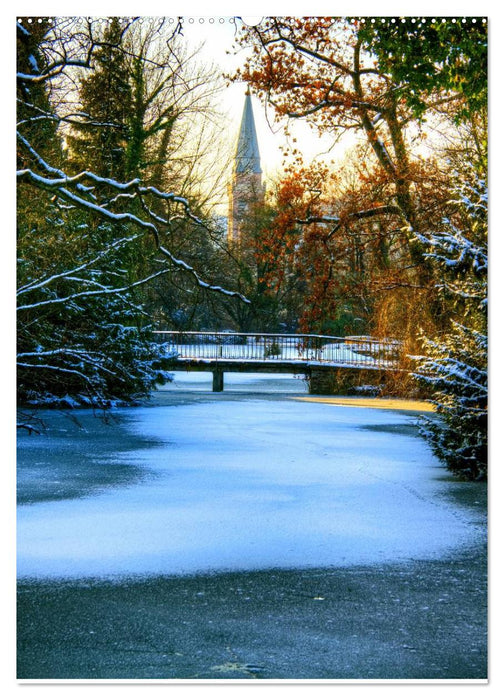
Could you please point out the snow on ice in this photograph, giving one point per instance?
(249, 484)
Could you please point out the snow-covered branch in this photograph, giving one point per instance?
(98, 227)
(62, 184)
(103, 291)
(44, 282)
(59, 185)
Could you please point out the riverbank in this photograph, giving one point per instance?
(372, 402)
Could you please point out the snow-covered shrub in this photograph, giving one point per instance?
(454, 365)
(456, 368)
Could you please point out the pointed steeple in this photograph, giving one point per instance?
(246, 187)
(247, 158)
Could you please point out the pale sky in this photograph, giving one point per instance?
(217, 34)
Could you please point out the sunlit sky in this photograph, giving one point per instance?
(216, 35)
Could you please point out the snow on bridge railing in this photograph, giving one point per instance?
(353, 351)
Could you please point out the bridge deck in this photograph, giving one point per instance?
(274, 352)
(268, 366)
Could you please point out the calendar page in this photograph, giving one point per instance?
(252, 349)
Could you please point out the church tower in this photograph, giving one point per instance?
(246, 185)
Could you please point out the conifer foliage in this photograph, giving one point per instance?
(455, 365)
(90, 237)
(106, 97)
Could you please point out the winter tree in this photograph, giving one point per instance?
(82, 334)
(454, 365)
(151, 112)
(339, 76)
(99, 140)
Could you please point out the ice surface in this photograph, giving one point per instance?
(238, 381)
(247, 484)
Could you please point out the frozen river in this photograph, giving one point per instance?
(199, 482)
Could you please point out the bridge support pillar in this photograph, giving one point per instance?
(218, 379)
(343, 382)
(322, 382)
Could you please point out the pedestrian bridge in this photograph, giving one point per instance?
(274, 352)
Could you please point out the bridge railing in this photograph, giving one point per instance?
(355, 351)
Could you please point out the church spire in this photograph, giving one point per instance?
(245, 188)
(247, 159)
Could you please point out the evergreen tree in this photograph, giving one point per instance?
(455, 365)
(34, 114)
(100, 142)
(81, 334)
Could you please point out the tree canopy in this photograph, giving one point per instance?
(90, 236)
(432, 57)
